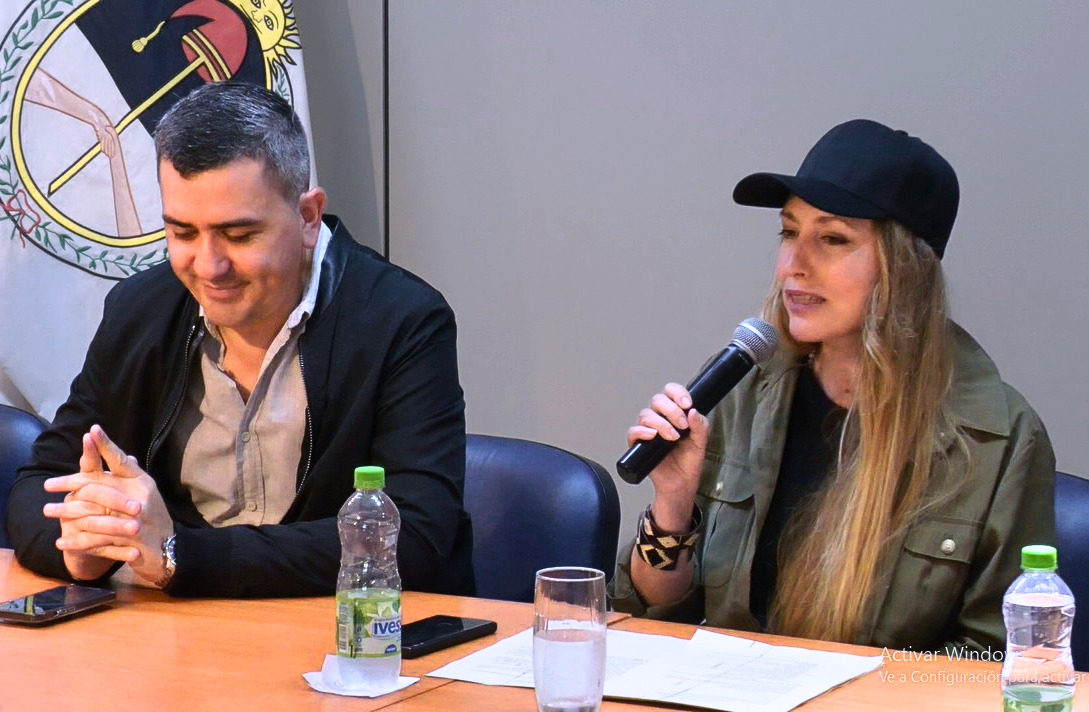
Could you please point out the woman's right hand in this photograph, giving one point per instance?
(676, 478)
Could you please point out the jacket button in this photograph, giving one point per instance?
(948, 547)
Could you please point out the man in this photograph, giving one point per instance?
(226, 399)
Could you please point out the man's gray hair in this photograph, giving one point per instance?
(224, 121)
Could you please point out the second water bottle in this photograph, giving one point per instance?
(369, 585)
(1038, 671)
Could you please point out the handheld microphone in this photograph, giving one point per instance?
(754, 341)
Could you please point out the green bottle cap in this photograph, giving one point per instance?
(370, 477)
(1038, 557)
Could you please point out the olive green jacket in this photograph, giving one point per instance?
(944, 588)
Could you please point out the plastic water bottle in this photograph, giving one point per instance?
(369, 586)
(1038, 672)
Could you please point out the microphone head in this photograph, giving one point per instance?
(757, 338)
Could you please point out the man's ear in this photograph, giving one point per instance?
(311, 208)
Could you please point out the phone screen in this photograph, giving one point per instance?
(54, 603)
(437, 632)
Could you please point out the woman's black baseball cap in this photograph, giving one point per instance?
(863, 169)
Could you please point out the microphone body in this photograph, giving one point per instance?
(754, 341)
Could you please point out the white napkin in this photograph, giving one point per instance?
(328, 680)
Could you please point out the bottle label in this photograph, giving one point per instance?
(369, 623)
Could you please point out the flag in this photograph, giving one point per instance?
(82, 85)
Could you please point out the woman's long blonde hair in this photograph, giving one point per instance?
(830, 559)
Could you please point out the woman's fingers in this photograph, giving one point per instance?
(679, 395)
(698, 427)
(649, 418)
(637, 433)
(666, 416)
(668, 409)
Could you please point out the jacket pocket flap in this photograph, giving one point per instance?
(943, 538)
(727, 480)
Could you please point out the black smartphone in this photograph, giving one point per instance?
(437, 632)
(54, 604)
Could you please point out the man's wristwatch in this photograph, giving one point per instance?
(169, 562)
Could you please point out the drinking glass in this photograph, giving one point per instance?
(569, 639)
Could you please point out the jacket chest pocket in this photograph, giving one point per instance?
(726, 496)
(929, 579)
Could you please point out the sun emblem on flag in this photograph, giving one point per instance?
(275, 25)
(82, 85)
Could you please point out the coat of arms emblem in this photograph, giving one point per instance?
(82, 85)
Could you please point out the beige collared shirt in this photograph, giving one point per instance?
(239, 459)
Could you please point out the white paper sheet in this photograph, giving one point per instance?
(723, 672)
(510, 661)
(328, 681)
(712, 670)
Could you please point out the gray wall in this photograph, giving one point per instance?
(342, 42)
(562, 170)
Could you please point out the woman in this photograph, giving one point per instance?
(875, 481)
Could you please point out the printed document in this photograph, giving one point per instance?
(509, 662)
(712, 670)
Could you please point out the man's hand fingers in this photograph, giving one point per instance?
(84, 567)
(70, 483)
(128, 554)
(106, 496)
(88, 542)
(89, 461)
(115, 458)
(97, 517)
(98, 545)
(73, 509)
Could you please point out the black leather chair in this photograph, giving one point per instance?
(18, 430)
(1072, 541)
(535, 506)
